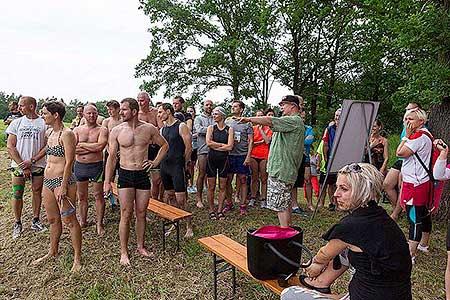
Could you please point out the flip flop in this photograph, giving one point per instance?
(212, 216)
(325, 290)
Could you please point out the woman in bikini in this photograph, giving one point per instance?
(59, 191)
(379, 148)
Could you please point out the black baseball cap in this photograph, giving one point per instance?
(290, 99)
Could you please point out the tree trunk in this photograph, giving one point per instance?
(439, 125)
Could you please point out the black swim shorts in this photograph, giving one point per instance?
(137, 179)
(89, 171)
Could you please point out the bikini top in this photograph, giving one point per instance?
(58, 149)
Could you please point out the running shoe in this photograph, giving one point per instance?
(191, 190)
(37, 226)
(252, 202)
(299, 211)
(17, 231)
(194, 189)
(243, 209)
(423, 248)
(228, 207)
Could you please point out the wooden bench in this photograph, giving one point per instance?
(171, 215)
(233, 255)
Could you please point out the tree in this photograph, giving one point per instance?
(206, 44)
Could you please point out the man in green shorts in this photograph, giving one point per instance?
(285, 155)
(26, 147)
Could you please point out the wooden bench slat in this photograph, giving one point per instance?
(170, 208)
(236, 254)
(163, 213)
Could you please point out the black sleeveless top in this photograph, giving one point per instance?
(219, 136)
(175, 154)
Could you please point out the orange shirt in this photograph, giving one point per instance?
(260, 151)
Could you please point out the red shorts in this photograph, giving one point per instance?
(421, 194)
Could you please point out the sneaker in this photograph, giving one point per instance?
(263, 204)
(413, 260)
(228, 207)
(299, 211)
(17, 231)
(189, 190)
(332, 207)
(252, 202)
(243, 209)
(194, 189)
(37, 226)
(423, 248)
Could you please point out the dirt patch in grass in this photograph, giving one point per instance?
(183, 275)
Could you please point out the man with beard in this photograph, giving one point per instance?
(149, 114)
(174, 165)
(201, 124)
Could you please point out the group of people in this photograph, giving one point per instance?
(152, 150)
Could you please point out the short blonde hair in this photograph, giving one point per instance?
(420, 113)
(366, 182)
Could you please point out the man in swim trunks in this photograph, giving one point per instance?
(91, 140)
(149, 114)
(174, 165)
(132, 138)
(26, 147)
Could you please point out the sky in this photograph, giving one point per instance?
(84, 50)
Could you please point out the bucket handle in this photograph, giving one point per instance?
(290, 261)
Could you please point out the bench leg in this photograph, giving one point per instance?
(164, 236)
(225, 267)
(177, 226)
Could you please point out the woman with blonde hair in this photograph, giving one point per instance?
(416, 149)
(59, 192)
(372, 242)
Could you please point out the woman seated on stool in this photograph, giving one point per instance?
(377, 248)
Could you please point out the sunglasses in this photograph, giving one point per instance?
(352, 168)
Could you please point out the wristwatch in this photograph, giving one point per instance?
(33, 161)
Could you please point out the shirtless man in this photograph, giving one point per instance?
(91, 140)
(114, 119)
(174, 165)
(132, 138)
(150, 115)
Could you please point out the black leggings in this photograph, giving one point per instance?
(419, 219)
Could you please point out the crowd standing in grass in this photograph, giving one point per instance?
(154, 151)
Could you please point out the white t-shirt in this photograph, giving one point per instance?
(30, 134)
(412, 170)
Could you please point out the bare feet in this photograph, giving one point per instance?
(144, 252)
(200, 204)
(100, 229)
(43, 258)
(311, 208)
(124, 260)
(189, 233)
(315, 283)
(83, 225)
(76, 267)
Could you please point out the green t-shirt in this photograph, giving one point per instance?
(286, 148)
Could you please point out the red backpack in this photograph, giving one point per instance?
(437, 186)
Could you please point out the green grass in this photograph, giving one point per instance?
(169, 275)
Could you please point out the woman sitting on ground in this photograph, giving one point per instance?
(220, 140)
(59, 191)
(377, 248)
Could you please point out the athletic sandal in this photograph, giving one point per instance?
(212, 216)
(325, 290)
(220, 216)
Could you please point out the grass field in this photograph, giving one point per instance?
(183, 275)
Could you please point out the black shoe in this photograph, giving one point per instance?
(326, 290)
(332, 207)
